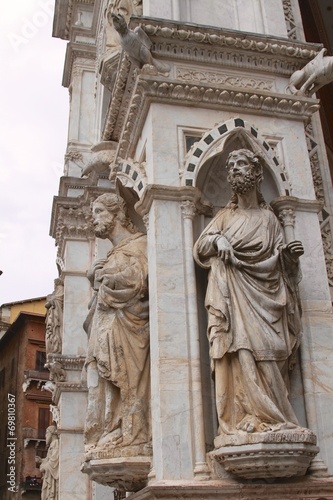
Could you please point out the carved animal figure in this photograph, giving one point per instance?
(313, 76)
(98, 162)
(136, 44)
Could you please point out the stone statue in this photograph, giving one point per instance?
(126, 8)
(118, 371)
(49, 466)
(313, 76)
(253, 312)
(54, 318)
(137, 45)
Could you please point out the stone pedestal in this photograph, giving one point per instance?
(266, 454)
(123, 473)
(305, 489)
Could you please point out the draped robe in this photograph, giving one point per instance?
(250, 337)
(118, 346)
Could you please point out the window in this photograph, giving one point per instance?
(190, 140)
(43, 422)
(40, 361)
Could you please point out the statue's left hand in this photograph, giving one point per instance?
(295, 249)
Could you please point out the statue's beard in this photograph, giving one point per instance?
(103, 229)
(242, 183)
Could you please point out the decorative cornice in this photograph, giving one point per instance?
(212, 50)
(75, 362)
(67, 387)
(63, 18)
(215, 38)
(296, 204)
(171, 193)
(75, 50)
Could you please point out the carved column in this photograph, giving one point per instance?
(200, 469)
(177, 420)
(285, 208)
(287, 218)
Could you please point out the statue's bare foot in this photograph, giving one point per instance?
(263, 427)
(115, 437)
(248, 424)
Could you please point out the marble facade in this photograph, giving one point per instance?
(161, 139)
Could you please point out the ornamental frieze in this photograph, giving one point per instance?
(148, 90)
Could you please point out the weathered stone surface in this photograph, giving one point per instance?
(117, 362)
(128, 474)
(305, 489)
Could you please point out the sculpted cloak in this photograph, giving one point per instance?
(251, 309)
(118, 333)
(50, 470)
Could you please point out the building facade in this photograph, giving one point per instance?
(155, 111)
(25, 407)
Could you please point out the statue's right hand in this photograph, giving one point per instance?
(224, 250)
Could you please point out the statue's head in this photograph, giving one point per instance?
(119, 22)
(107, 209)
(50, 432)
(245, 172)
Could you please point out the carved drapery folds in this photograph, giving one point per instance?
(252, 295)
(49, 466)
(118, 355)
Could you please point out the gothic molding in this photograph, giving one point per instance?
(222, 77)
(290, 19)
(318, 183)
(212, 141)
(133, 175)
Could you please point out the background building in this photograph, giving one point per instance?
(22, 375)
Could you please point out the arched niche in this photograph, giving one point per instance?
(205, 167)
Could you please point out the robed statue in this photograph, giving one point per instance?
(252, 302)
(118, 356)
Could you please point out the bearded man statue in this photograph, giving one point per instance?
(118, 356)
(253, 312)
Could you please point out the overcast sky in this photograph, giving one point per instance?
(33, 135)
